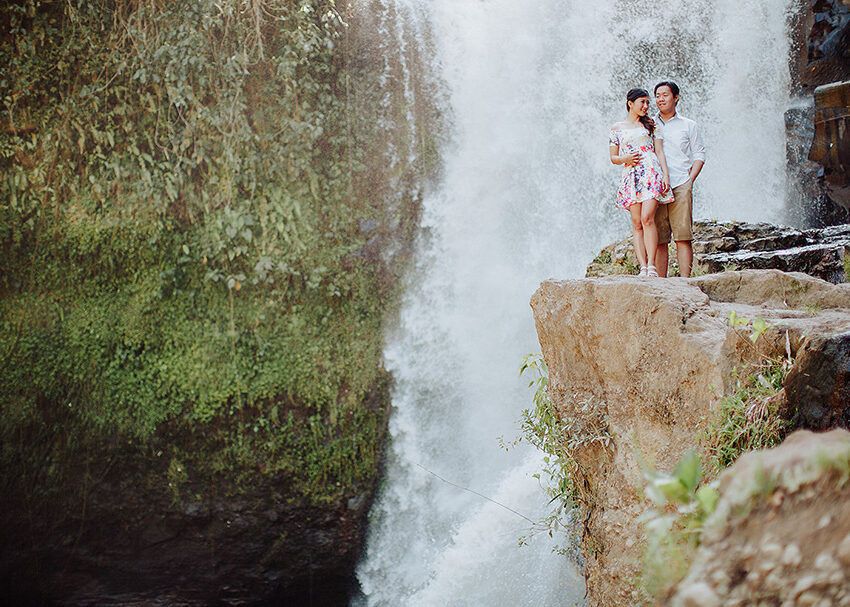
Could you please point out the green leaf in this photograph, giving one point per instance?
(689, 470)
(707, 497)
(671, 488)
(759, 327)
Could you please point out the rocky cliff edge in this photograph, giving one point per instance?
(654, 359)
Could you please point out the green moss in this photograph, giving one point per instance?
(604, 257)
(183, 265)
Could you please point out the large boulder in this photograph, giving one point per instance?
(781, 531)
(652, 358)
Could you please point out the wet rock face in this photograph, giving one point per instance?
(132, 544)
(788, 544)
(808, 202)
(831, 142)
(232, 554)
(719, 246)
(818, 143)
(823, 42)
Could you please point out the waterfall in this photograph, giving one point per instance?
(531, 89)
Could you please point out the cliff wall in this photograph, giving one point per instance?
(654, 359)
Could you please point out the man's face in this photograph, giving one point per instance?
(665, 100)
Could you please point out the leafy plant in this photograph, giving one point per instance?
(749, 418)
(758, 326)
(562, 441)
(673, 528)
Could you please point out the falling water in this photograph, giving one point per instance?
(531, 88)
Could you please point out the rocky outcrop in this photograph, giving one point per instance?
(831, 140)
(139, 548)
(722, 245)
(781, 532)
(816, 125)
(817, 389)
(653, 358)
(132, 527)
(817, 252)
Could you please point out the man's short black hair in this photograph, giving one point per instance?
(674, 88)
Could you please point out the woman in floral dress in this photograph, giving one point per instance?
(638, 146)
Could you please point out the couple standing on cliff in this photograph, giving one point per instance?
(658, 179)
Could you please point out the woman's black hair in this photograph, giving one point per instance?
(646, 121)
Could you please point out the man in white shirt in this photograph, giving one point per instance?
(685, 154)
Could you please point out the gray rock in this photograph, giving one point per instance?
(818, 385)
(719, 246)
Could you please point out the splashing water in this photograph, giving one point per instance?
(532, 87)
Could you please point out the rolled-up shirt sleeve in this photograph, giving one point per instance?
(697, 144)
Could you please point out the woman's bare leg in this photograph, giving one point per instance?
(637, 233)
(650, 230)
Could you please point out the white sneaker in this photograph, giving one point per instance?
(642, 271)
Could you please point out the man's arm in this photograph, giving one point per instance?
(698, 151)
(696, 167)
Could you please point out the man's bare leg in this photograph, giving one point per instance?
(685, 255)
(661, 260)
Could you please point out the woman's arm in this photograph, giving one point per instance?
(626, 159)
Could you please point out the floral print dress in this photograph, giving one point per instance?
(644, 180)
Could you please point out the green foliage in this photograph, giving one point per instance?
(748, 419)
(605, 264)
(674, 527)
(758, 325)
(562, 441)
(179, 205)
(603, 258)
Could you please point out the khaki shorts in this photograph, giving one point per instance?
(676, 217)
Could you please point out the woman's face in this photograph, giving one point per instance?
(640, 106)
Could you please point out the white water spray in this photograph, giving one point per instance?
(532, 87)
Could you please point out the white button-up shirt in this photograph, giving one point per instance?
(683, 146)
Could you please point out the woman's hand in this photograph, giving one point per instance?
(665, 182)
(632, 159)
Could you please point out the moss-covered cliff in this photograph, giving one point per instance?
(193, 227)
